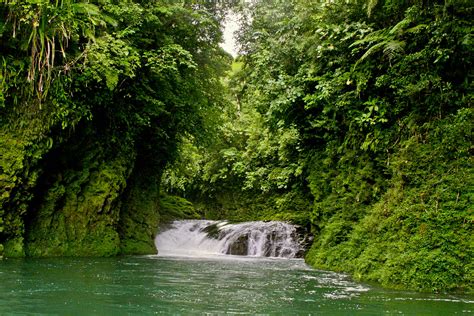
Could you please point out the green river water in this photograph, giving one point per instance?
(201, 286)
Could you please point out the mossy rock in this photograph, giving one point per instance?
(14, 248)
(139, 213)
(239, 247)
(175, 207)
(138, 247)
(418, 234)
(21, 150)
(78, 210)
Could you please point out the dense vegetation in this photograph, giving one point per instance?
(353, 118)
(92, 100)
(350, 118)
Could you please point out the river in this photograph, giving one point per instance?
(184, 286)
(214, 284)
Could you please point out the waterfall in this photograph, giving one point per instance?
(205, 238)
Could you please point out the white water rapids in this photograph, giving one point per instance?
(200, 238)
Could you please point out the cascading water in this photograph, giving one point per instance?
(204, 238)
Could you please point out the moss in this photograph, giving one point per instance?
(77, 211)
(139, 221)
(136, 246)
(139, 213)
(22, 147)
(175, 207)
(67, 200)
(14, 248)
(418, 235)
(292, 206)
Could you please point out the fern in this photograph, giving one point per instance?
(371, 4)
(372, 50)
(398, 28)
(375, 36)
(386, 39)
(416, 29)
(393, 49)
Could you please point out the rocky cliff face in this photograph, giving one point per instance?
(77, 207)
(23, 142)
(79, 198)
(139, 214)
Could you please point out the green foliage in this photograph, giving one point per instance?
(43, 29)
(244, 160)
(355, 116)
(174, 207)
(14, 248)
(129, 78)
(78, 211)
(418, 233)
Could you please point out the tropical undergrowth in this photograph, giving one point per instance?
(354, 117)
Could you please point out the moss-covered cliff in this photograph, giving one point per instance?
(418, 232)
(140, 213)
(77, 202)
(23, 143)
(93, 101)
(73, 199)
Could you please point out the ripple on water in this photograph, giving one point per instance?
(150, 284)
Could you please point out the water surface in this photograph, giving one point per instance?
(200, 286)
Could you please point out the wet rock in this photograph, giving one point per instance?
(212, 231)
(239, 247)
(305, 240)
